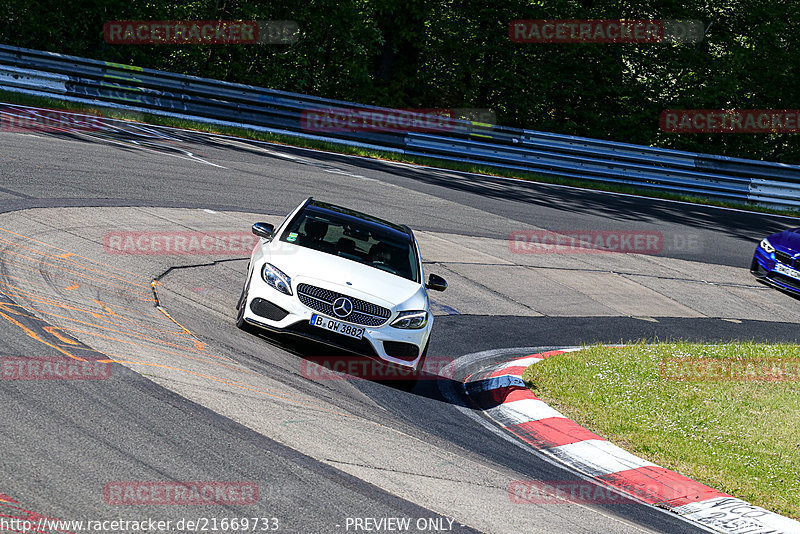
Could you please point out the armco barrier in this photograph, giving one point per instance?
(204, 100)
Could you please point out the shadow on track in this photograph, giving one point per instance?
(322, 363)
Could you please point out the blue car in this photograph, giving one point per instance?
(777, 260)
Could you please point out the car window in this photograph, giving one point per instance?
(347, 238)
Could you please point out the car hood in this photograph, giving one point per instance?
(306, 265)
(788, 239)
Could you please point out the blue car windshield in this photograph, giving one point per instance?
(355, 239)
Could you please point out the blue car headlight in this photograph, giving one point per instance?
(766, 246)
(411, 320)
(276, 278)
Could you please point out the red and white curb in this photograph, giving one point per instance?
(500, 392)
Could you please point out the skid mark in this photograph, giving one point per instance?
(118, 328)
(65, 253)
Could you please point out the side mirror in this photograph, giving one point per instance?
(437, 283)
(262, 229)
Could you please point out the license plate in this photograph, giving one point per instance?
(339, 327)
(788, 271)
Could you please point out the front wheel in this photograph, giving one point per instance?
(240, 322)
(409, 383)
(240, 306)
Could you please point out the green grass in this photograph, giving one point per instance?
(738, 436)
(30, 100)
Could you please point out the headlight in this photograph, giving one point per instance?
(276, 278)
(766, 246)
(411, 319)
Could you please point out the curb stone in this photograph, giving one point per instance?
(502, 395)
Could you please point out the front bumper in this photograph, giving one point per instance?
(277, 312)
(762, 267)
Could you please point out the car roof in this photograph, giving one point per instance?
(369, 219)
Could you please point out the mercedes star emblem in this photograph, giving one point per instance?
(342, 307)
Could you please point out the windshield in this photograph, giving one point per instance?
(355, 239)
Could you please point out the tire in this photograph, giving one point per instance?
(409, 383)
(240, 322)
(245, 288)
(240, 307)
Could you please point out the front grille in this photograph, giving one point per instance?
(784, 258)
(322, 300)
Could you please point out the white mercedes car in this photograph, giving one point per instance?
(343, 278)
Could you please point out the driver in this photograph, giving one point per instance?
(380, 253)
(315, 232)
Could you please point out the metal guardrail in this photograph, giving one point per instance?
(205, 100)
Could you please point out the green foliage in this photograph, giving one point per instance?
(456, 53)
